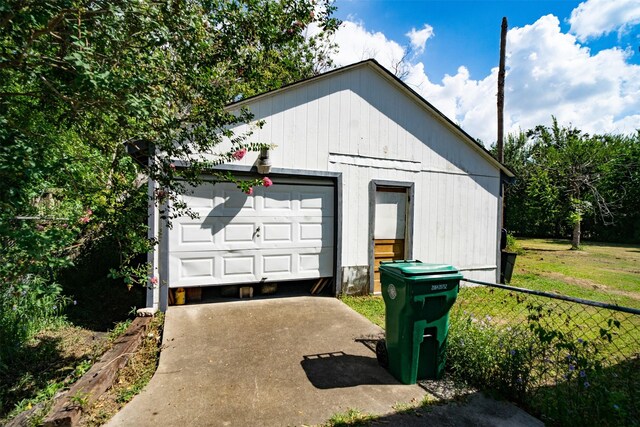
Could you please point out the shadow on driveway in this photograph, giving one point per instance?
(341, 370)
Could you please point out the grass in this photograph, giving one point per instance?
(57, 355)
(525, 346)
(56, 358)
(53, 360)
(351, 417)
(371, 307)
(607, 273)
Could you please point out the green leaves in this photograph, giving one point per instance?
(571, 182)
(83, 83)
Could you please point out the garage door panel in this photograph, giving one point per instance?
(319, 202)
(195, 233)
(239, 232)
(277, 263)
(232, 201)
(247, 233)
(312, 232)
(248, 266)
(192, 270)
(278, 200)
(238, 265)
(199, 197)
(284, 232)
(277, 232)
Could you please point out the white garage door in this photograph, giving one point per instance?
(283, 232)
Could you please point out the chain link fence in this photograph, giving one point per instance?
(565, 360)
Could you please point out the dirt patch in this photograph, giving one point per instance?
(590, 284)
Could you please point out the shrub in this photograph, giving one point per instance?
(26, 307)
(561, 378)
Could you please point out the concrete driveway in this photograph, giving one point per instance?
(271, 362)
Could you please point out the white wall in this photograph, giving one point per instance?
(360, 124)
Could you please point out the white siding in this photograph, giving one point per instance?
(359, 123)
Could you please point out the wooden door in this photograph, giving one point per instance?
(390, 229)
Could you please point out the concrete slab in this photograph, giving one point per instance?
(271, 362)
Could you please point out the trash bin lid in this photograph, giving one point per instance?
(417, 268)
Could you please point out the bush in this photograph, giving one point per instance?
(561, 378)
(512, 245)
(27, 307)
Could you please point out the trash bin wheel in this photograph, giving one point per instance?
(381, 354)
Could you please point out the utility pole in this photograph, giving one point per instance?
(501, 72)
(500, 144)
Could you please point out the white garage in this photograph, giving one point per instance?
(284, 232)
(365, 170)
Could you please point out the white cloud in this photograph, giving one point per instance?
(418, 38)
(597, 93)
(549, 73)
(357, 44)
(594, 18)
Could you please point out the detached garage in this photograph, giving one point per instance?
(364, 171)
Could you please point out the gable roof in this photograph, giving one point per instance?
(372, 63)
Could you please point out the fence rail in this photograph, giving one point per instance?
(567, 360)
(556, 296)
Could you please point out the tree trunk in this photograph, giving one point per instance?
(575, 239)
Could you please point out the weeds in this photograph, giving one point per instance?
(559, 360)
(564, 362)
(26, 308)
(352, 417)
(50, 362)
(132, 378)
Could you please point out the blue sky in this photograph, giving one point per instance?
(576, 60)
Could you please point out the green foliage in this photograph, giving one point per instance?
(569, 182)
(25, 308)
(351, 417)
(84, 83)
(371, 307)
(543, 364)
(119, 329)
(513, 245)
(555, 362)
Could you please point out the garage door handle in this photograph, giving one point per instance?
(256, 233)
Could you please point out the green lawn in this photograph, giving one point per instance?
(602, 272)
(561, 360)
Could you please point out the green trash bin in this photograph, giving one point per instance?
(417, 297)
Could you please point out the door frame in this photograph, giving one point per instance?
(409, 187)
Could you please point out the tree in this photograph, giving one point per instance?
(82, 83)
(620, 185)
(571, 163)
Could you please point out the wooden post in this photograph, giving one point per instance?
(501, 72)
(500, 142)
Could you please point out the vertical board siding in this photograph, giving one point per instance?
(359, 114)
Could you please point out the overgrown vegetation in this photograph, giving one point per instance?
(352, 417)
(131, 379)
(567, 363)
(84, 85)
(53, 359)
(562, 361)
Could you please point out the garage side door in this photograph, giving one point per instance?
(283, 232)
